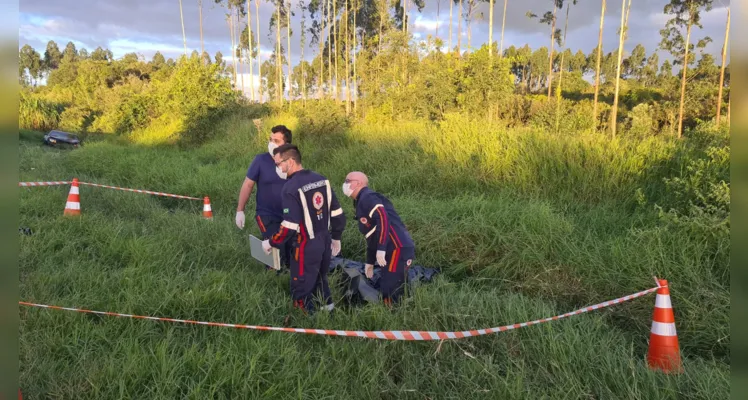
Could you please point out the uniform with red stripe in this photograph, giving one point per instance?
(384, 231)
(312, 220)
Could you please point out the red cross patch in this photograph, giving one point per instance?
(318, 200)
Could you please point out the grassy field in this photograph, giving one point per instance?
(523, 224)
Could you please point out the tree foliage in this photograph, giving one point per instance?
(398, 75)
(122, 96)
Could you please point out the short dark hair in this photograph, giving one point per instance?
(287, 136)
(289, 150)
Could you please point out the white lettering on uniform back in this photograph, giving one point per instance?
(312, 186)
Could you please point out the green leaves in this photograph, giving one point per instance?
(29, 61)
(52, 56)
(685, 14)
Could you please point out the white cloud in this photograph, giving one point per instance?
(120, 47)
(658, 19)
(422, 23)
(92, 23)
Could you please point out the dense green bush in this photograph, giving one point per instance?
(703, 187)
(181, 103)
(693, 187)
(196, 95)
(640, 121)
(76, 119)
(567, 117)
(321, 119)
(515, 110)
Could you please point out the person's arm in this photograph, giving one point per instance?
(253, 175)
(378, 217)
(337, 223)
(337, 217)
(377, 248)
(371, 254)
(244, 194)
(292, 217)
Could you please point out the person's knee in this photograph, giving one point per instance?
(391, 287)
(391, 280)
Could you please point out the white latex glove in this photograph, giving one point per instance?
(335, 247)
(369, 270)
(380, 258)
(266, 246)
(240, 219)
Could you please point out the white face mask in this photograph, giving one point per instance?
(347, 189)
(280, 173)
(271, 146)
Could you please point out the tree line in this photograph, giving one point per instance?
(367, 58)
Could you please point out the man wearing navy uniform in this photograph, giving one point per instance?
(264, 174)
(313, 223)
(388, 243)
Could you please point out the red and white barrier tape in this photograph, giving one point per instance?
(50, 183)
(387, 335)
(141, 191)
(26, 184)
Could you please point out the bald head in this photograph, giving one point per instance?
(357, 181)
(358, 176)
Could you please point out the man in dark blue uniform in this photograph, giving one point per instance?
(388, 243)
(264, 174)
(313, 222)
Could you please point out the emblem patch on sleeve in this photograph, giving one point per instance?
(363, 220)
(318, 200)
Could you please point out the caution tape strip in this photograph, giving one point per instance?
(141, 191)
(52, 183)
(387, 335)
(49, 183)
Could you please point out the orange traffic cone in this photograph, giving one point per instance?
(73, 206)
(664, 352)
(207, 211)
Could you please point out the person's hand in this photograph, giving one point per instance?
(335, 247)
(266, 246)
(380, 258)
(240, 219)
(369, 270)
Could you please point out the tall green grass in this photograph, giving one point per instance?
(523, 225)
(37, 114)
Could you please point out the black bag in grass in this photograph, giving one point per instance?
(358, 288)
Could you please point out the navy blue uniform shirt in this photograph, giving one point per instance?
(310, 209)
(269, 186)
(380, 223)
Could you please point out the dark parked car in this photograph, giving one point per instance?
(61, 138)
